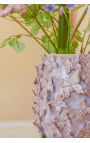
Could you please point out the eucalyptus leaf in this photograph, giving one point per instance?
(78, 37)
(45, 19)
(49, 47)
(35, 29)
(31, 13)
(3, 44)
(45, 39)
(17, 45)
(29, 22)
(73, 47)
(47, 44)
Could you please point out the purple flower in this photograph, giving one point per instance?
(20, 7)
(50, 7)
(61, 10)
(10, 7)
(71, 6)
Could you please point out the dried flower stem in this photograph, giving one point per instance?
(86, 44)
(78, 24)
(47, 35)
(54, 28)
(81, 51)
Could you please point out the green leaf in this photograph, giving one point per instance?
(78, 37)
(45, 19)
(44, 39)
(47, 23)
(2, 44)
(31, 13)
(61, 51)
(47, 44)
(35, 29)
(17, 45)
(63, 32)
(29, 22)
(73, 47)
(49, 47)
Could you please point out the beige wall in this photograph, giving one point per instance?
(83, 26)
(17, 73)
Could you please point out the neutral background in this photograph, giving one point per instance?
(17, 73)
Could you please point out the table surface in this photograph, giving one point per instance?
(18, 130)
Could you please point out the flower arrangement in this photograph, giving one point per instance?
(58, 35)
(62, 97)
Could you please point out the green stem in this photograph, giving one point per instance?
(46, 34)
(78, 24)
(28, 32)
(68, 23)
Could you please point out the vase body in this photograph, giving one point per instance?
(62, 99)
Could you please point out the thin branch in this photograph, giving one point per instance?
(78, 24)
(54, 24)
(83, 40)
(8, 18)
(54, 30)
(46, 34)
(86, 44)
(28, 32)
(55, 19)
(51, 15)
(30, 36)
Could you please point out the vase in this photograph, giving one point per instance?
(62, 97)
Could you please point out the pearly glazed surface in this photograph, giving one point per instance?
(62, 99)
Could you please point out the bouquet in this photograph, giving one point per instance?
(49, 25)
